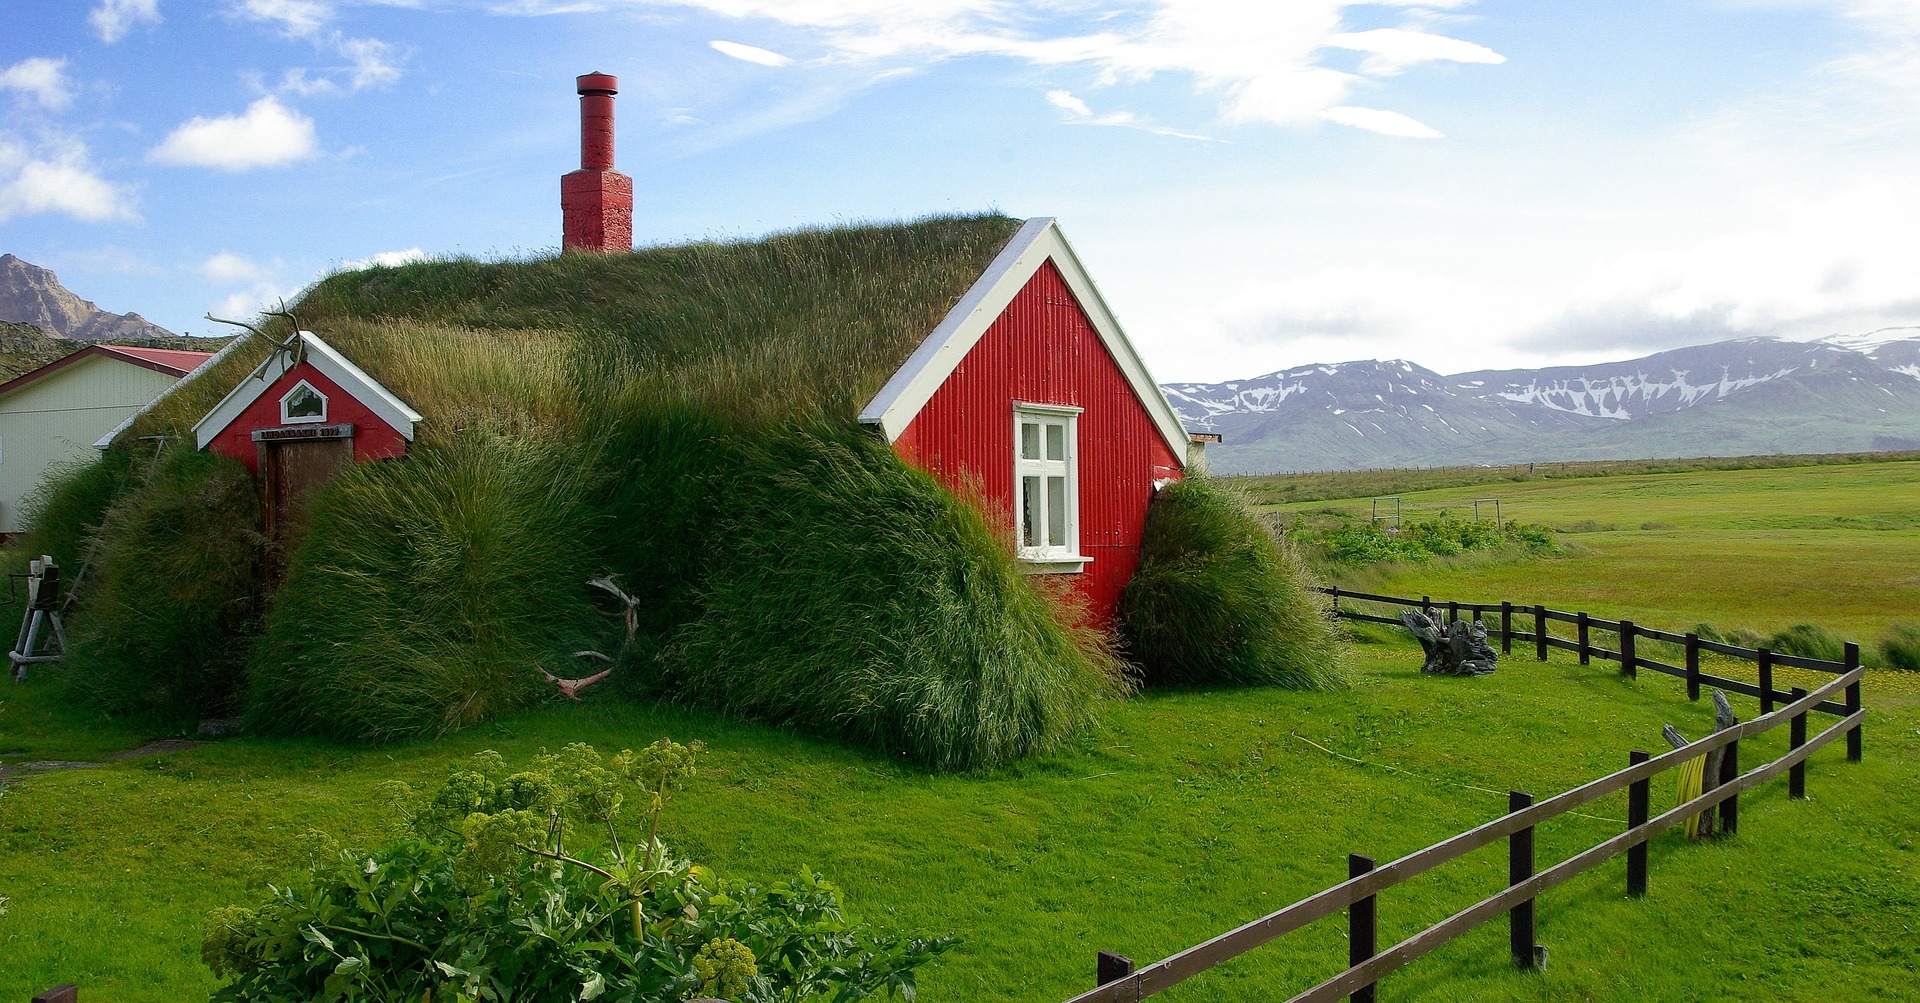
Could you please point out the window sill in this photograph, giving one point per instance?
(1054, 564)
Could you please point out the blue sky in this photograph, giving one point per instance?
(1255, 185)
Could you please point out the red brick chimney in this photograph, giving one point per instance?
(596, 201)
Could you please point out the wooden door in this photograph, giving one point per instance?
(291, 475)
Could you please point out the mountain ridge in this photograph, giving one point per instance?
(1749, 395)
(30, 294)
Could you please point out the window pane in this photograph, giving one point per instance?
(305, 402)
(1056, 442)
(1056, 511)
(1029, 441)
(1029, 511)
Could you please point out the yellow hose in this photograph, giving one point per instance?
(1689, 781)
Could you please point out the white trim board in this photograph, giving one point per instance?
(331, 364)
(1039, 241)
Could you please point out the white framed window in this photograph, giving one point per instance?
(303, 404)
(1046, 487)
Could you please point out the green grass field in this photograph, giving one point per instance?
(1765, 548)
(1185, 814)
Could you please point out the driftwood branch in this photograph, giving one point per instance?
(1456, 649)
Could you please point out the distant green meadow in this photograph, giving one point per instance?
(1181, 814)
(1837, 545)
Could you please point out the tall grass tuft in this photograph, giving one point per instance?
(429, 593)
(172, 601)
(854, 595)
(1900, 649)
(1218, 599)
(1807, 640)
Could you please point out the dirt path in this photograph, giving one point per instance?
(15, 772)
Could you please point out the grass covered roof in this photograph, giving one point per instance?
(808, 322)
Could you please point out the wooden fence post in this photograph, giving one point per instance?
(1111, 967)
(1520, 868)
(1629, 664)
(1765, 659)
(1693, 667)
(1506, 627)
(1730, 808)
(1853, 703)
(1363, 927)
(1797, 737)
(1453, 612)
(1639, 797)
(1540, 633)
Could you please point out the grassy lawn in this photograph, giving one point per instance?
(1188, 814)
(1834, 545)
(1185, 814)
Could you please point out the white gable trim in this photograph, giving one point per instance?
(336, 367)
(1038, 242)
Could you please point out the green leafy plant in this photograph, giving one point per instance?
(502, 889)
(1355, 545)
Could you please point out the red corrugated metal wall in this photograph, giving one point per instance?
(1044, 350)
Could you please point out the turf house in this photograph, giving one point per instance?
(905, 484)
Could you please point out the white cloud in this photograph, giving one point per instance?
(55, 177)
(1261, 60)
(1807, 266)
(1390, 51)
(113, 19)
(268, 134)
(228, 268)
(385, 259)
(750, 53)
(1065, 101)
(300, 18)
(372, 62)
(369, 62)
(1387, 123)
(248, 302)
(40, 78)
(1078, 113)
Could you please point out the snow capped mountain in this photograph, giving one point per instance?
(1747, 396)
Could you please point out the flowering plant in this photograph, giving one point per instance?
(489, 897)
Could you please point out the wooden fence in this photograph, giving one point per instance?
(1625, 651)
(1119, 980)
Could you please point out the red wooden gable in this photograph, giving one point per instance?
(1043, 349)
(373, 437)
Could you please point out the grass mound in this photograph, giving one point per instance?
(172, 598)
(857, 595)
(1218, 599)
(428, 593)
(1900, 649)
(1807, 640)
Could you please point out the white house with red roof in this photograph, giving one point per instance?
(55, 413)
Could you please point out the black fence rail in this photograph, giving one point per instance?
(1119, 979)
(1625, 651)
